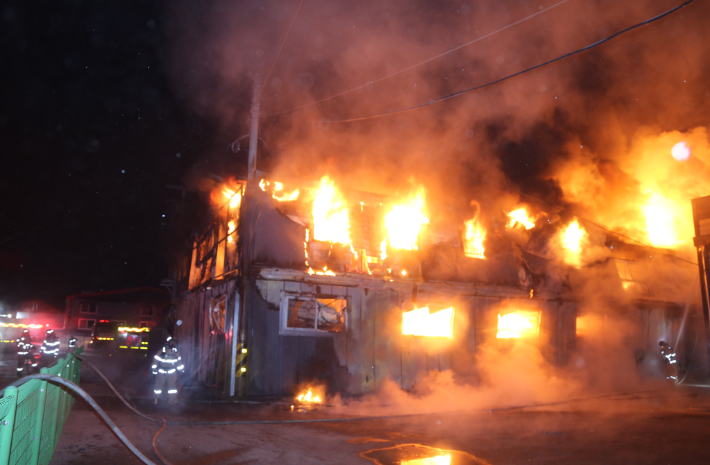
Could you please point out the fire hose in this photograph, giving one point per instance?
(77, 390)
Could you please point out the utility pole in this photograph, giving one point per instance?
(254, 131)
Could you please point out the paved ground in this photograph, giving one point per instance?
(670, 426)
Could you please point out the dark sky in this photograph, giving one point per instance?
(91, 136)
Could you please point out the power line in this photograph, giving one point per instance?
(283, 40)
(420, 63)
(461, 92)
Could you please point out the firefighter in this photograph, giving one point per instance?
(166, 365)
(24, 351)
(50, 347)
(72, 343)
(669, 361)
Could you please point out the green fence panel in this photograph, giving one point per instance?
(32, 417)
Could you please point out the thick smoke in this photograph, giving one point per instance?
(592, 132)
(590, 135)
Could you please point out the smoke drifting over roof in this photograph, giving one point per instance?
(591, 133)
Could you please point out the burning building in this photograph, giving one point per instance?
(291, 286)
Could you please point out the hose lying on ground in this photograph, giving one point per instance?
(77, 390)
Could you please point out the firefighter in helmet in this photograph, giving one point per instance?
(24, 351)
(669, 361)
(166, 365)
(72, 343)
(50, 347)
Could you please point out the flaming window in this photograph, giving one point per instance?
(520, 218)
(404, 222)
(313, 314)
(422, 322)
(474, 235)
(330, 214)
(518, 324)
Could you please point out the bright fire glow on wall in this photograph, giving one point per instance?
(439, 460)
(522, 323)
(419, 322)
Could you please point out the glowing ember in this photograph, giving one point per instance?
(474, 234)
(330, 214)
(518, 324)
(404, 223)
(309, 397)
(660, 221)
(681, 151)
(572, 243)
(520, 217)
(420, 322)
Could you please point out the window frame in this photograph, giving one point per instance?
(84, 305)
(149, 308)
(86, 327)
(285, 330)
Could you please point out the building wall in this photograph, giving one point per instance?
(372, 348)
(208, 351)
(130, 312)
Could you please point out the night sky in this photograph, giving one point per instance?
(92, 136)
(116, 117)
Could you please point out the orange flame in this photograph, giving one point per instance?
(660, 221)
(330, 214)
(521, 323)
(419, 322)
(231, 227)
(438, 460)
(474, 234)
(309, 397)
(405, 221)
(572, 243)
(520, 217)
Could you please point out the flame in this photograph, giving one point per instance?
(309, 397)
(284, 196)
(383, 249)
(325, 272)
(405, 221)
(660, 221)
(520, 217)
(438, 460)
(330, 214)
(474, 234)
(521, 323)
(231, 227)
(419, 322)
(572, 243)
(278, 192)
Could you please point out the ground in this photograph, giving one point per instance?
(666, 426)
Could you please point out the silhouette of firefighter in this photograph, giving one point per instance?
(669, 361)
(167, 363)
(24, 352)
(50, 348)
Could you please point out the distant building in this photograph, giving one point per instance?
(137, 307)
(39, 312)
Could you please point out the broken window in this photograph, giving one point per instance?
(218, 309)
(314, 314)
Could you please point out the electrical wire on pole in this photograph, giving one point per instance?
(510, 76)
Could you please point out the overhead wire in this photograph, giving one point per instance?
(278, 53)
(403, 70)
(510, 76)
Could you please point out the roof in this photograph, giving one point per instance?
(148, 295)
